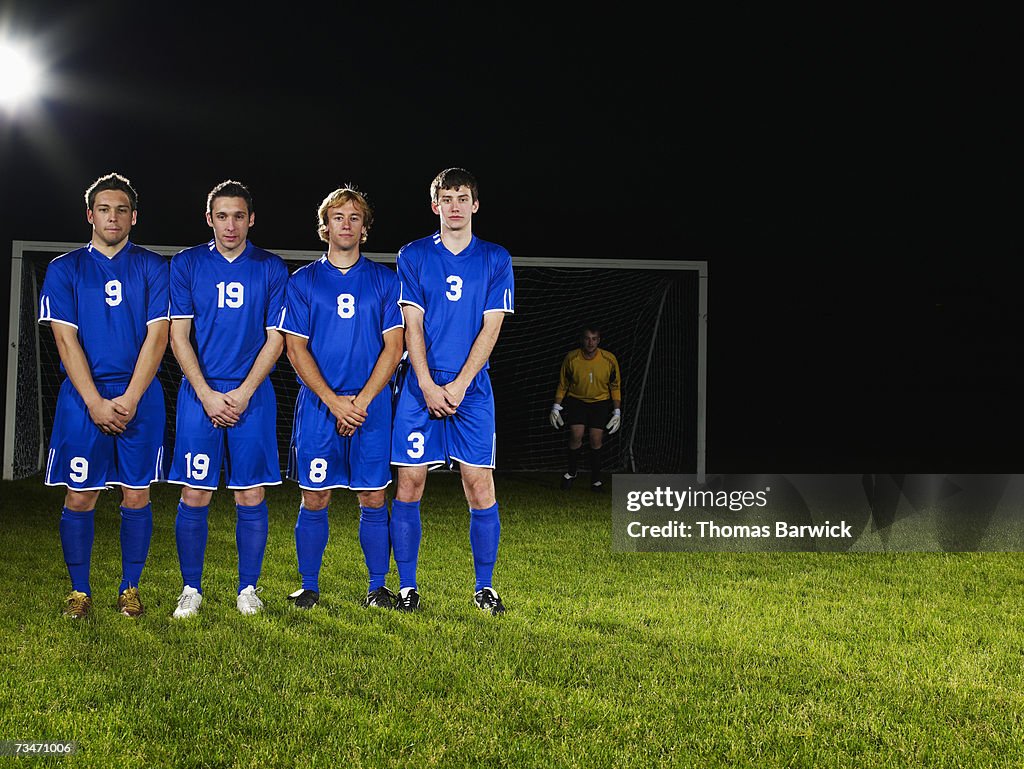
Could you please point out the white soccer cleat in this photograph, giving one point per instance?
(248, 602)
(188, 603)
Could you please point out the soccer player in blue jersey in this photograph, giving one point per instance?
(456, 291)
(344, 337)
(107, 306)
(226, 296)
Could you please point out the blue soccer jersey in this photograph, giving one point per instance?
(110, 301)
(344, 317)
(454, 292)
(231, 304)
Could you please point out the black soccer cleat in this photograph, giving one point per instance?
(567, 480)
(304, 599)
(407, 600)
(487, 600)
(381, 598)
(597, 487)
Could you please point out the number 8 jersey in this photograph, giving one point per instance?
(344, 317)
(110, 301)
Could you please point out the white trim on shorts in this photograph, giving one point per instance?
(339, 486)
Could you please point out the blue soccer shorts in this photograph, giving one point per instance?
(246, 452)
(321, 459)
(83, 458)
(466, 437)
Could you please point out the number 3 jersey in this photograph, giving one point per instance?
(232, 304)
(344, 316)
(110, 301)
(454, 292)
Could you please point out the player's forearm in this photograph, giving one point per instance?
(305, 366)
(152, 352)
(383, 369)
(265, 361)
(482, 347)
(416, 344)
(185, 354)
(76, 365)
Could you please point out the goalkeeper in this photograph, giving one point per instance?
(588, 399)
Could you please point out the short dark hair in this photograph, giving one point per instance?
(111, 181)
(590, 327)
(453, 178)
(229, 189)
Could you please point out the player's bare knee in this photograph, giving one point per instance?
(409, 492)
(478, 484)
(134, 499)
(80, 501)
(196, 497)
(316, 500)
(249, 497)
(411, 482)
(371, 499)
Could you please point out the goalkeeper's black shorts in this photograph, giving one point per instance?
(577, 412)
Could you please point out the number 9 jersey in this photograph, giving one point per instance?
(110, 301)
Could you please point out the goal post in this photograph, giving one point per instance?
(652, 314)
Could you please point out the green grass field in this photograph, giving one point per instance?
(604, 659)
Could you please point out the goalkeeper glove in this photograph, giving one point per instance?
(613, 423)
(554, 417)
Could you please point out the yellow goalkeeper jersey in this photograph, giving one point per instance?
(597, 379)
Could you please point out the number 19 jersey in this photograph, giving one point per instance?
(232, 304)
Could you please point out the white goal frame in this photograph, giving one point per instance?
(19, 247)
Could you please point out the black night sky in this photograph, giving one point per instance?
(851, 176)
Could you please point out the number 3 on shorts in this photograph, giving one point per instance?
(416, 440)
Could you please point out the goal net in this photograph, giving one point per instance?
(652, 316)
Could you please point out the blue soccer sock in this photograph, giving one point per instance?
(136, 532)
(191, 530)
(375, 540)
(312, 530)
(77, 530)
(406, 532)
(484, 533)
(252, 524)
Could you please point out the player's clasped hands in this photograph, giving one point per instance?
(111, 417)
(440, 402)
(350, 415)
(221, 408)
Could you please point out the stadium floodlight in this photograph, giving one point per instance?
(20, 75)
